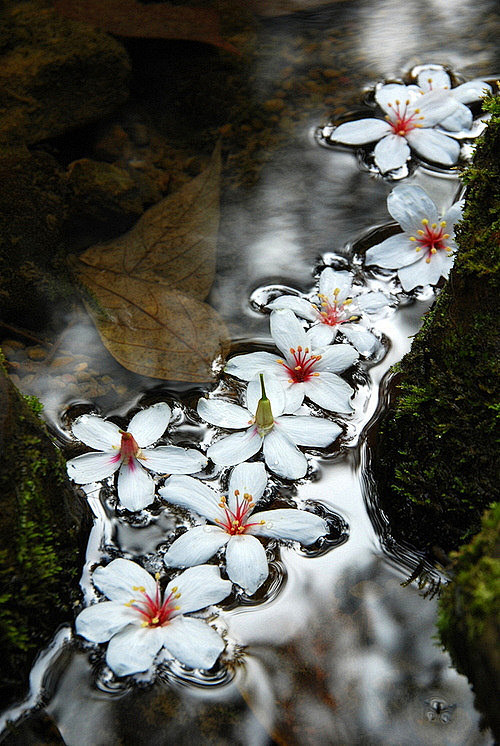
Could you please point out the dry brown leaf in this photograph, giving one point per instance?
(173, 243)
(155, 331)
(158, 21)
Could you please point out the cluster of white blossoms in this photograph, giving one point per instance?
(267, 428)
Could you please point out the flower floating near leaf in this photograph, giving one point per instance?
(126, 451)
(338, 308)
(410, 121)
(303, 370)
(139, 619)
(264, 426)
(424, 251)
(435, 77)
(236, 526)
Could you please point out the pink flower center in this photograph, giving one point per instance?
(156, 611)
(332, 312)
(404, 118)
(301, 365)
(129, 450)
(235, 522)
(431, 238)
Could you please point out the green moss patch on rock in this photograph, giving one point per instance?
(42, 535)
(435, 448)
(469, 615)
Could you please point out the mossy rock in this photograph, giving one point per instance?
(42, 538)
(434, 456)
(55, 74)
(469, 615)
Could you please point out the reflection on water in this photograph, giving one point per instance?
(343, 654)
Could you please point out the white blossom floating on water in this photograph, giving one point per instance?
(236, 525)
(338, 308)
(424, 251)
(303, 370)
(139, 620)
(435, 77)
(127, 451)
(264, 426)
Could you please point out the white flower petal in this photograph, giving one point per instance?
(191, 494)
(336, 358)
(193, 642)
(309, 431)
(223, 413)
(373, 301)
(473, 90)
(198, 587)
(92, 467)
(149, 424)
(321, 335)
(287, 523)
(386, 97)
(246, 562)
(196, 546)
(409, 205)
(435, 106)
(248, 366)
(294, 397)
(99, 622)
(173, 460)
(330, 392)
(96, 432)
(461, 119)
(248, 479)
(434, 146)
(391, 152)
(430, 78)
(423, 273)
(275, 391)
(134, 649)
(396, 251)
(287, 331)
(281, 455)
(360, 131)
(363, 340)
(453, 215)
(235, 448)
(136, 488)
(117, 580)
(331, 280)
(299, 306)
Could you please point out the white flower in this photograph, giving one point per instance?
(304, 371)
(265, 427)
(236, 525)
(127, 451)
(139, 619)
(337, 308)
(434, 77)
(411, 116)
(424, 251)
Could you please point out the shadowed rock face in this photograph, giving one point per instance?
(434, 457)
(42, 533)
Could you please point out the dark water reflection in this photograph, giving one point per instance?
(344, 654)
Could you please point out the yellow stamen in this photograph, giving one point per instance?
(157, 576)
(443, 223)
(412, 238)
(139, 588)
(174, 589)
(144, 624)
(433, 250)
(428, 260)
(425, 221)
(130, 603)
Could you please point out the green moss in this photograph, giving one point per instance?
(469, 614)
(435, 447)
(40, 537)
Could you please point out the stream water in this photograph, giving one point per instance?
(336, 648)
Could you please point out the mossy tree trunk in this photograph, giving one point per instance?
(43, 532)
(435, 459)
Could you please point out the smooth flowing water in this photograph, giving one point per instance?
(336, 648)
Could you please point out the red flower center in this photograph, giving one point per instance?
(157, 611)
(333, 313)
(129, 450)
(235, 522)
(404, 118)
(431, 238)
(301, 365)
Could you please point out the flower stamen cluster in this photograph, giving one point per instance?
(431, 238)
(235, 522)
(403, 120)
(156, 611)
(303, 370)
